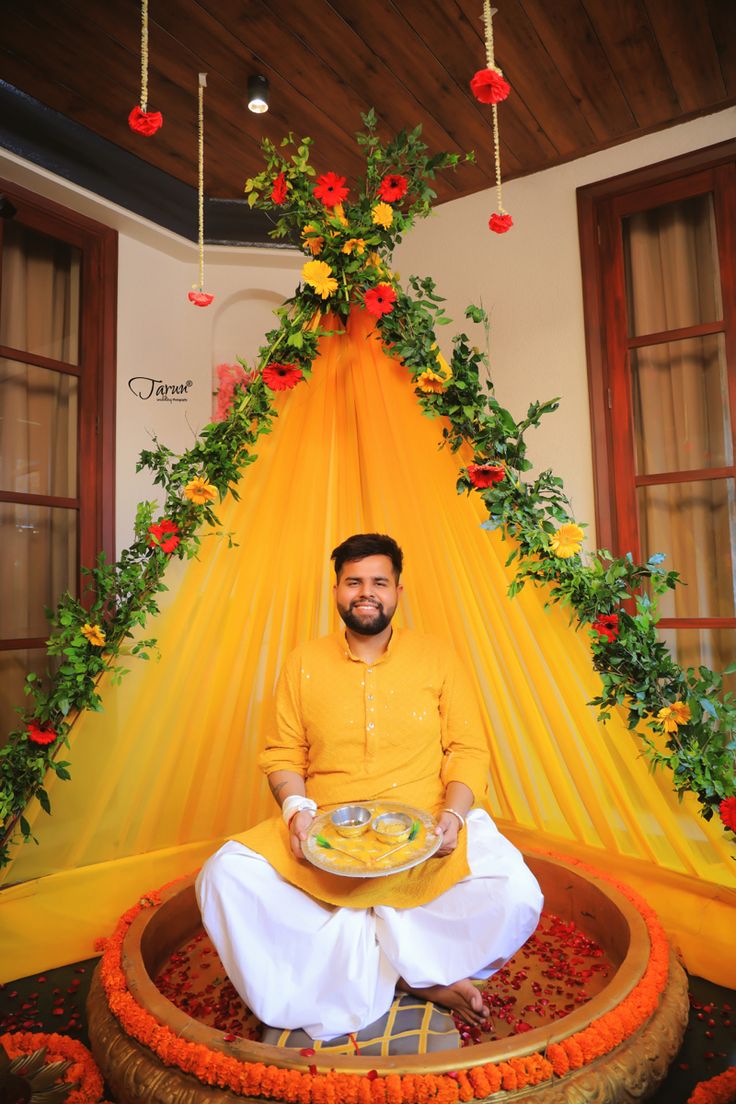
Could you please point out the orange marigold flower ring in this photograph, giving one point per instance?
(83, 1072)
(145, 122)
(489, 86)
(716, 1090)
(254, 1078)
(41, 736)
(330, 189)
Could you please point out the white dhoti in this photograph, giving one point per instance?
(298, 963)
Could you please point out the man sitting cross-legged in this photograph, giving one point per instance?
(369, 713)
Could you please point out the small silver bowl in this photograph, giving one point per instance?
(351, 820)
(392, 827)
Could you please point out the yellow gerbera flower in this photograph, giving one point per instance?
(314, 241)
(672, 716)
(567, 541)
(431, 382)
(356, 245)
(199, 491)
(94, 634)
(318, 275)
(383, 215)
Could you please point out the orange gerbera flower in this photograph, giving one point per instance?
(94, 634)
(199, 491)
(431, 382)
(567, 541)
(674, 715)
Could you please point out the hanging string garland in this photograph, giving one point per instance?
(198, 295)
(489, 86)
(141, 120)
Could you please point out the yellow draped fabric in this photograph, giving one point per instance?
(169, 768)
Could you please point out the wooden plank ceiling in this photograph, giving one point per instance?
(585, 74)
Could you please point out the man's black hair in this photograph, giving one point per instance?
(361, 545)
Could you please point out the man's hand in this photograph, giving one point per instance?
(298, 829)
(447, 826)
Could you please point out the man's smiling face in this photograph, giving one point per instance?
(367, 594)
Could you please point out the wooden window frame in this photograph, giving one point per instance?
(96, 372)
(600, 208)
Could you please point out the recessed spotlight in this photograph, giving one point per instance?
(258, 94)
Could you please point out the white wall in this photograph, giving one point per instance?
(529, 281)
(161, 335)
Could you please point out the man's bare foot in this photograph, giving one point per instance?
(462, 997)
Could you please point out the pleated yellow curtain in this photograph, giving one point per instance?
(169, 768)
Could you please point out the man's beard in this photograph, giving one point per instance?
(365, 626)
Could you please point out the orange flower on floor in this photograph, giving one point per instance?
(199, 491)
(431, 382)
(380, 300)
(727, 811)
(567, 541)
(330, 189)
(282, 377)
(94, 634)
(672, 716)
(41, 736)
(485, 475)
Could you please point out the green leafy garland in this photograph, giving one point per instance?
(685, 721)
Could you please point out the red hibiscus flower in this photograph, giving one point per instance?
(727, 809)
(485, 475)
(200, 298)
(282, 377)
(164, 534)
(499, 224)
(488, 86)
(145, 122)
(393, 188)
(380, 300)
(38, 735)
(606, 624)
(280, 188)
(330, 189)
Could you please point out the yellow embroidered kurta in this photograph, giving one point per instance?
(400, 728)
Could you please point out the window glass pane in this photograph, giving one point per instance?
(671, 262)
(39, 305)
(14, 666)
(38, 562)
(695, 525)
(38, 430)
(715, 648)
(679, 394)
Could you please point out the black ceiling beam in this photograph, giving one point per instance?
(46, 138)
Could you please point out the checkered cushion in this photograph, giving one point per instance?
(411, 1026)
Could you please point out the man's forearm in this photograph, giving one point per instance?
(285, 783)
(459, 797)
